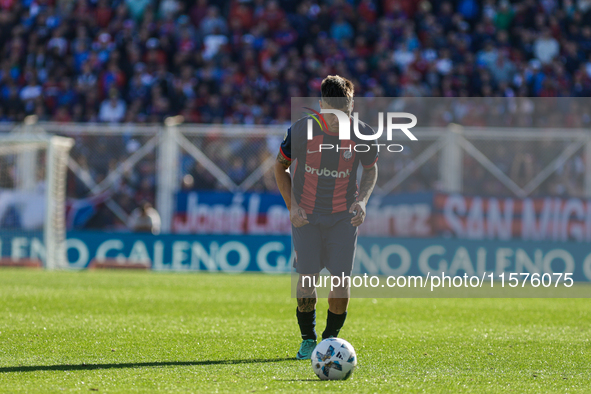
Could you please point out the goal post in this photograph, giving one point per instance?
(33, 199)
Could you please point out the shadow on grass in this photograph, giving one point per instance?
(82, 367)
(298, 380)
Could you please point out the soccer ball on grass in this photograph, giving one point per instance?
(334, 359)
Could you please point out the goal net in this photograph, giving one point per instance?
(33, 199)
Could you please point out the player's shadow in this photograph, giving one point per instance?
(82, 367)
(297, 380)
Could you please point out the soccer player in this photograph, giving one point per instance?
(326, 205)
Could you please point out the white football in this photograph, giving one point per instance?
(334, 359)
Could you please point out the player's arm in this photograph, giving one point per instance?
(368, 181)
(297, 215)
(283, 179)
(369, 177)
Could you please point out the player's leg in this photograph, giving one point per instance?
(306, 295)
(340, 242)
(338, 299)
(307, 246)
(306, 314)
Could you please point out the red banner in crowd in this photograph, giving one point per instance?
(539, 219)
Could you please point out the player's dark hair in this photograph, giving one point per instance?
(337, 91)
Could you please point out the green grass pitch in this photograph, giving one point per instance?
(127, 332)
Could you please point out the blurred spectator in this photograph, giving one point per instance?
(198, 11)
(237, 171)
(201, 178)
(504, 16)
(522, 169)
(213, 22)
(341, 29)
(168, 9)
(6, 177)
(29, 93)
(136, 8)
(503, 69)
(112, 109)
(212, 43)
(188, 183)
(546, 47)
(145, 219)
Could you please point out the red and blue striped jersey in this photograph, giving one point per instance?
(325, 181)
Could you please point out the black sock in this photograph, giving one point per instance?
(334, 323)
(307, 322)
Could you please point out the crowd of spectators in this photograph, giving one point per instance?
(232, 61)
(240, 62)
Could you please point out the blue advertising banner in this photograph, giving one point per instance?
(390, 256)
(236, 253)
(272, 254)
(230, 213)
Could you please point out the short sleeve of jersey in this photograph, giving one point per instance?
(285, 148)
(369, 158)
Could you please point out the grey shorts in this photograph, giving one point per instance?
(329, 240)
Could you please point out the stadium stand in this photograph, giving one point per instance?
(239, 62)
